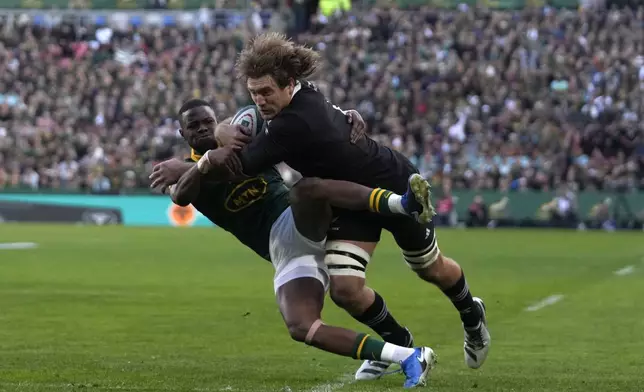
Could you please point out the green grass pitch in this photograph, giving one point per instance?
(143, 309)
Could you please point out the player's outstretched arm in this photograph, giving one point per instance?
(168, 173)
(219, 164)
(187, 187)
(186, 190)
(351, 196)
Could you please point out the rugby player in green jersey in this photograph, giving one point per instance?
(287, 227)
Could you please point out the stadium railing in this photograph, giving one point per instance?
(140, 207)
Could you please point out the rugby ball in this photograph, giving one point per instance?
(249, 118)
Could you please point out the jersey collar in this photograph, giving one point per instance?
(194, 155)
(298, 87)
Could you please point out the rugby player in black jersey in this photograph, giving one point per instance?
(311, 135)
(287, 228)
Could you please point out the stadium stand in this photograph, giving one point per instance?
(478, 99)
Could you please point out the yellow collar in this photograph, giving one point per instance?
(194, 156)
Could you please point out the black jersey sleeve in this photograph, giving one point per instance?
(279, 140)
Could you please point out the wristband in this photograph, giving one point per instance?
(203, 164)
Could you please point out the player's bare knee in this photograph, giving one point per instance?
(306, 190)
(346, 293)
(312, 214)
(445, 272)
(296, 195)
(347, 264)
(299, 328)
(433, 272)
(304, 331)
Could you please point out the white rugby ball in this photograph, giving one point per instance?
(249, 118)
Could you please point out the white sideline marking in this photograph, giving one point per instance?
(625, 271)
(333, 386)
(17, 245)
(68, 386)
(327, 387)
(551, 300)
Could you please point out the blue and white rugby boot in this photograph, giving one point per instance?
(417, 200)
(418, 366)
(373, 370)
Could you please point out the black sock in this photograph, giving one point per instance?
(378, 318)
(461, 297)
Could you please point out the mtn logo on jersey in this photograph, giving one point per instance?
(246, 193)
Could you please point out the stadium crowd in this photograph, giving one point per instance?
(526, 99)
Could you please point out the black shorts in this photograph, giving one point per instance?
(365, 226)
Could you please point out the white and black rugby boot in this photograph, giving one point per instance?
(477, 340)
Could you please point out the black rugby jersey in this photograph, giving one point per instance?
(312, 136)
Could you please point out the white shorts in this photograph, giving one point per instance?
(293, 255)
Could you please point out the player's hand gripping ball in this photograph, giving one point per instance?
(244, 125)
(249, 118)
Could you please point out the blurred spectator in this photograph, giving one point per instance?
(255, 22)
(520, 100)
(445, 208)
(499, 209)
(478, 214)
(158, 4)
(600, 215)
(564, 209)
(204, 21)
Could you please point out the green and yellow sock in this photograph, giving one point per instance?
(383, 201)
(366, 347)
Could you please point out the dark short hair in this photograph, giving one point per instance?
(275, 55)
(191, 104)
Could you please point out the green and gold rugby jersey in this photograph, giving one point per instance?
(247, 209)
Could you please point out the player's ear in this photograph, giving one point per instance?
(291, 85)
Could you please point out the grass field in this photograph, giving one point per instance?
(113, 308)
